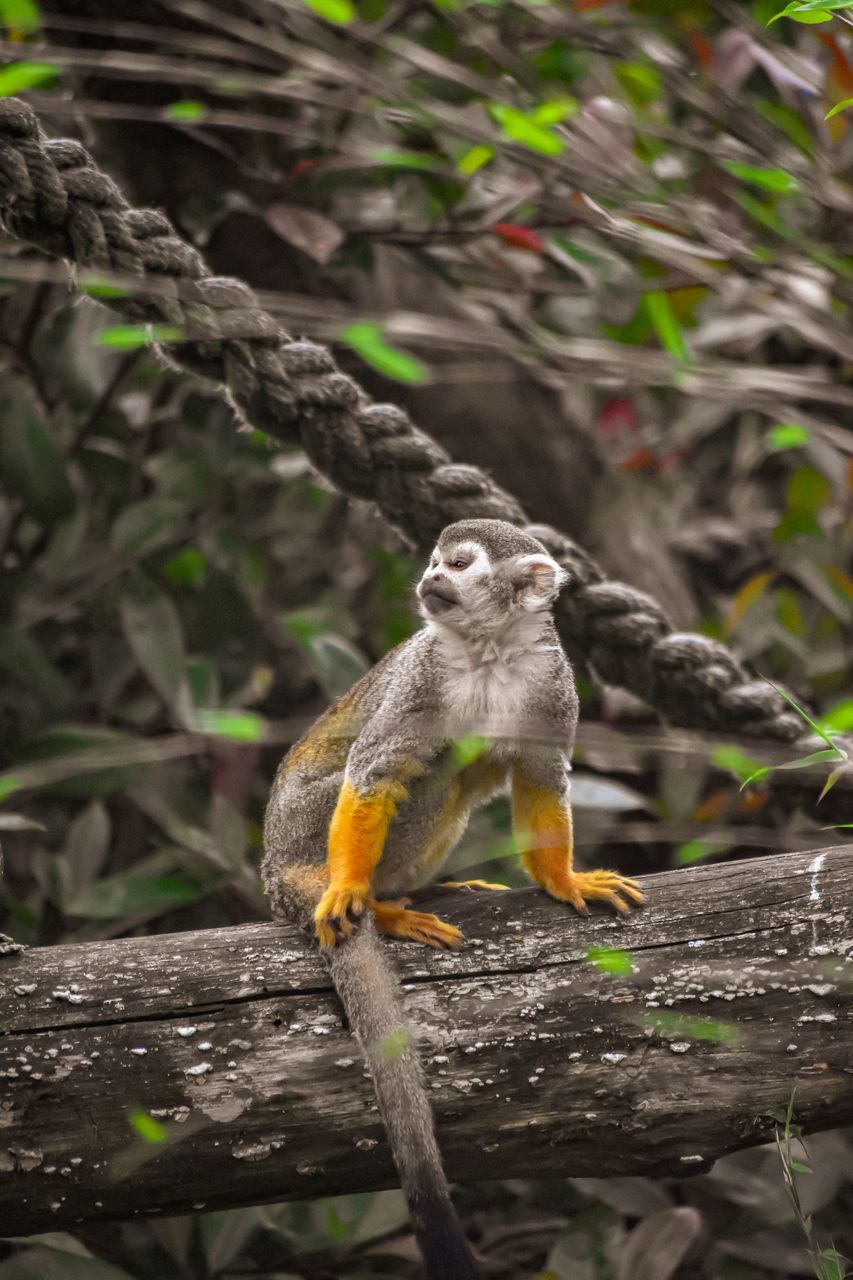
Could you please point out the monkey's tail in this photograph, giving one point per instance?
(369, 993)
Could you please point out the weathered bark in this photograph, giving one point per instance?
(538, 1061)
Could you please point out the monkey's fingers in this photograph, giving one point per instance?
(579, 887)
(608, 886)
(338, 913)
(470, 884)
(417, 926)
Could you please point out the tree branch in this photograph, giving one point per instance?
(538, 1059)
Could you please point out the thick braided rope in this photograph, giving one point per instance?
(53, 195)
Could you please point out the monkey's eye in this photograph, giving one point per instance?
(459, 564)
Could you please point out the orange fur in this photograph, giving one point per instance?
(543, 827)
(543, 824)
(395, 920)
(356, 839)
(357, 831)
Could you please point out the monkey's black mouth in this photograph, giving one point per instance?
(437, 600)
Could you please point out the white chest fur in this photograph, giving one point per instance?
(489, 686)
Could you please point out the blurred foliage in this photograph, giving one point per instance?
(643, 207)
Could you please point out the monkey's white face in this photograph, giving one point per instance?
(463, 589)
(453, 579)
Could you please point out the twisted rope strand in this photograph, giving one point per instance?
(53, 195)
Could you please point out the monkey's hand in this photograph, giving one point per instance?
(339, 911)
(579, 887)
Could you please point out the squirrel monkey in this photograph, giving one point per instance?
(368, 804)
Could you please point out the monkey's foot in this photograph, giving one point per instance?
(579, 887)
(470, 884)
(338, 913)
(396, 921)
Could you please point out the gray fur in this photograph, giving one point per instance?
(500, 540)
(488, 663)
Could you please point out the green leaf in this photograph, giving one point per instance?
(16, 77)
(394, 1044)
(464, 751)
(553, 110)
(833, 778)
(787, 435)
(698, 850)
(520, 127)
(789, 611)
(823, 756)
(369, 342)
(238, 726)
(9, 784)
(145, 525)
(813, 6)
(801, 14)
(186, 568)
(79, 761)
(149, 1129)
(132, 893)
(666, 325)
(31, 462)
(20, 15)
(809, 490)
(152, 628)
(337, 661)
(839, 719)
(692, 1028)
(406, 159)
(743, 766)
(186, 110)
(127, 337)
(766, 216)
(821, 733)
(474, 159)
(789, 122)
(611, 960)
(839, 106)
(798, 524)
(24, 660)
(640, 80)
(339, 11)
(768, 179)
(93, 287)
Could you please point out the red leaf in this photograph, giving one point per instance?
(617, 417)
(300, 167)
(841, 70)
(519, 237)
(702, 47)
(640, 460)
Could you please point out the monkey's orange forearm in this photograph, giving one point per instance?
(543, 825)
(358, 830)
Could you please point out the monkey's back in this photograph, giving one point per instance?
(310, 776)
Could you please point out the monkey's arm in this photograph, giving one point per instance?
(542, 820)
(393, 750)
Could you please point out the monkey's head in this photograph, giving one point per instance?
(484, 573)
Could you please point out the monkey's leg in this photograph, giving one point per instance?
(357, 834)
(396, 921)
(543, 821)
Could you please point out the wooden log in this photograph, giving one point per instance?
(729, 991)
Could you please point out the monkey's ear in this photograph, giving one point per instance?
(537, 580)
